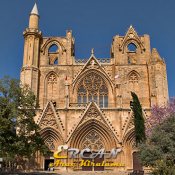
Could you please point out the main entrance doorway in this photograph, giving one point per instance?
(137, 166)
(99, 160)
(95, 160)
(47, 162)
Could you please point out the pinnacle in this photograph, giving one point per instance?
(92, 51)
(35, 10)
(155, 54)
(131, 27)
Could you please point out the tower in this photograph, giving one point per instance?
(32, 38)
(86, 102)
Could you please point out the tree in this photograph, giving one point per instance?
(19, 134)
(158, 115)
(158, 151)
(139, 122)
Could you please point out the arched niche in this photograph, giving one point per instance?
(51, 86)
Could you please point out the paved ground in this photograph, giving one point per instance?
(68, 173)
(95, 173)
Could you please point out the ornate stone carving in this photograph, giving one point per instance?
(93, 64)
(93, 113)
(50, 143)
(92, 141)
(133, 77)
(93, 88)
(48, 119)
(52, 79)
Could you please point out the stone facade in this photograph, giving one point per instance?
(86, 102)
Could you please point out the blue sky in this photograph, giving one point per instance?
(94, 23)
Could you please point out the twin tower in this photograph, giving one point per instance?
(129, 54)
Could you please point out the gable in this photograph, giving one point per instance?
(91, 114)
(49, 118)
(92, 65)
(131, 36)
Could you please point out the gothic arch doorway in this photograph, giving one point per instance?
(93, 135)
(52, 139)
(137, 166)
(93, 141)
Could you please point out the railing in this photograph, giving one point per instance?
(78, 105)
(84, 105)
(101, 60)
(104, 60)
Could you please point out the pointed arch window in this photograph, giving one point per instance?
(133, 77)
(93, 88)
(53, 48)
(132, 47)
(53, 54)
(51, 85)
(56, 61)
(133, 81)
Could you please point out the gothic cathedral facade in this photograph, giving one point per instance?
(85, 103)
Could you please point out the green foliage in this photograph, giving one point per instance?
(19, 134)
(159, 150)
(139, 122)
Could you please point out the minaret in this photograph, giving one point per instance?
(34, 18)
(32, 38)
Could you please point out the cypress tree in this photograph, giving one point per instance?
(139, 122)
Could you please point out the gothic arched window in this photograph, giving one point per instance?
(132, 47)
(53, 48)
(93, 88)
(53, 54)
(133, 81)
(51, 86)
(56, 61)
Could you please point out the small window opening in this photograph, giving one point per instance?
(129, 61)
(53, 48)
(56, 61)
(132, 47)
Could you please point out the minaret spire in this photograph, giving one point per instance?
(35, 10)
(34, 18)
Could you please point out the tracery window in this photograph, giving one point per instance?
(92, 141)
(51, 86)
(133, 82)
(50, 143)
(93, 88)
